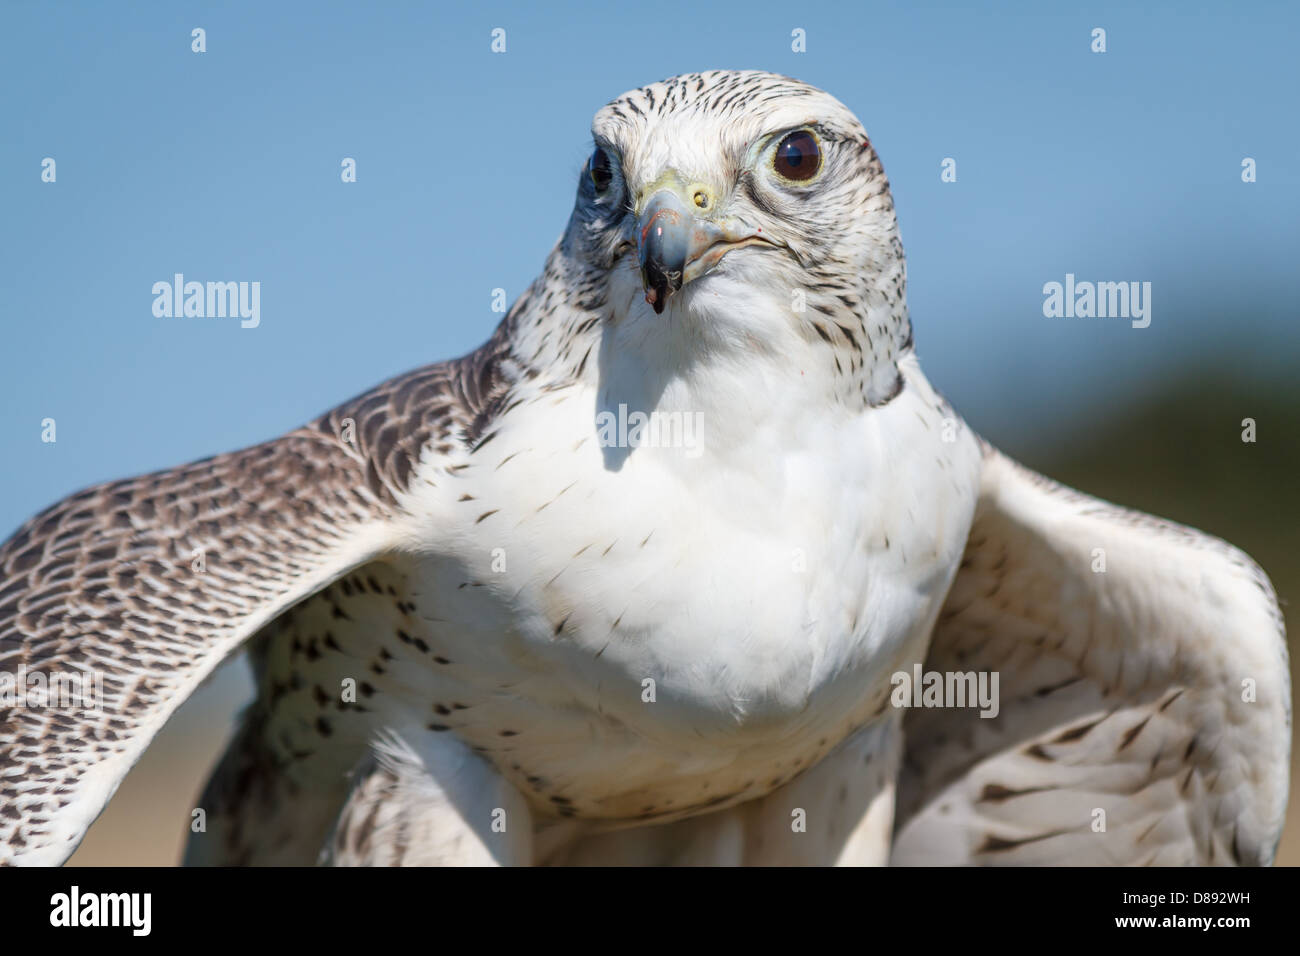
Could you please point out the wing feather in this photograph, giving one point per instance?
(147, 584)
(1144, 708)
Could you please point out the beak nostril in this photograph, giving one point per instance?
(676, 244)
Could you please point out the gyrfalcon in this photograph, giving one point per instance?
(648, 576)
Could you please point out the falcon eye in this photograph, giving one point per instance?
(798, 157)
(601, 173)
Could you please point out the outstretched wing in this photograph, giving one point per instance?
(1144, 707)
(145, 585)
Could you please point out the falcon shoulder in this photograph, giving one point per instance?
(152, 581)
(1144, 708)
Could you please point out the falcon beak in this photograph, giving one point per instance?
(675, 246)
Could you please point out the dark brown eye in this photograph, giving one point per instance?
(601, 173)
(798, 157)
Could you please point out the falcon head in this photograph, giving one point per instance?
(746, 205)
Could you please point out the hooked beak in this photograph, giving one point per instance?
(674, 246)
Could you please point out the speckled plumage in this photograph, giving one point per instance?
(454, 594)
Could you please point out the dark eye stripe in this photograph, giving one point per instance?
(798, 157)
(754, 196)
(601, 172)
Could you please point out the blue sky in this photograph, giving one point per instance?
(225, 166)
